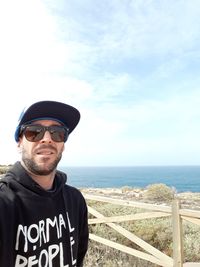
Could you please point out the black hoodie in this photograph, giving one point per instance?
(38, 227)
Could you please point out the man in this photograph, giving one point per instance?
(43, 221)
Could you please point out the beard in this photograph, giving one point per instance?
(36, 169)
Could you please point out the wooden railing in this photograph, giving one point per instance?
(151, 254)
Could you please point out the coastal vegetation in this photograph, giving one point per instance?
(4, 168)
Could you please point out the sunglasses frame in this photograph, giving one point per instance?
(42, 130)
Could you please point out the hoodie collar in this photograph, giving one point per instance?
(18, 178)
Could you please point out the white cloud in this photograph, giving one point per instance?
(124, 29)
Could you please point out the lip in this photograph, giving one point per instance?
(45, 152)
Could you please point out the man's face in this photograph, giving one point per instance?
(43, 156)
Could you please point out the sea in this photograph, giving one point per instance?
(181, 178)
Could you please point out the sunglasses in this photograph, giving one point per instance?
(35, 133)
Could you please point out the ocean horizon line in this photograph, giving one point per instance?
(127, 166)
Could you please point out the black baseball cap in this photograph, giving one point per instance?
(52, 110)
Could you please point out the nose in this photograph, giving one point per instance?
(47, 137)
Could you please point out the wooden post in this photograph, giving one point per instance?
(177, 235)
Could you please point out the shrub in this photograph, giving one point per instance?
(3, 169)
(126, 189)
(159, 192)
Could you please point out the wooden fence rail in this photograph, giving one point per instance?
(151, 254)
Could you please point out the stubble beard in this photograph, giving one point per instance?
(36, 169)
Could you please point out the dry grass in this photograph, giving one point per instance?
(101, 256)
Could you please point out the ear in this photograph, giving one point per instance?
(19, 146)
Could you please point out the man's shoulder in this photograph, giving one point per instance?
(73, 192)
(7, 200)
(1, 179)
(72, 189)
(3, 186)
(6, 194)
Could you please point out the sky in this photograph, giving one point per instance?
(131, 67)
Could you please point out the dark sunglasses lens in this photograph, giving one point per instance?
(34, 133)
(58, 133)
